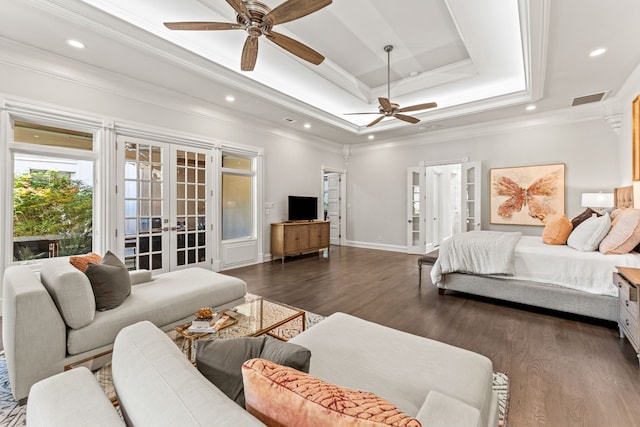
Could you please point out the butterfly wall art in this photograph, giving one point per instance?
(527, 195)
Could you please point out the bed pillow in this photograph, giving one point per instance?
(282, 396)
(110, 282)
(624, 234)
(557, 230)
(583, 216)
(588, 235)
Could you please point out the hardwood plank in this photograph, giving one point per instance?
(565, 370)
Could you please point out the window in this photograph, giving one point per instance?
(238, 177)
(52, 192)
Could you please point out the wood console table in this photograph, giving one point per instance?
(296, 238)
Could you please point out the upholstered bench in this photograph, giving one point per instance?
(428, 259)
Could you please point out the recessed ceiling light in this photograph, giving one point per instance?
(229, 98)
(307, 126)
(531, 107)
(75, 43)
(371, 137)
(597, 52)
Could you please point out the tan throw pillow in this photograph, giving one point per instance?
(81, 262)
(557, 230)
(624, 234)
(281, 396)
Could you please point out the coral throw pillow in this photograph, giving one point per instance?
(81, 262)
(282, 396)
(557, 230)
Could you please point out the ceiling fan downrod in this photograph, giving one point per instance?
(388, 48)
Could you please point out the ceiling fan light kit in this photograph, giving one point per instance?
(257, 19)
(390, 109)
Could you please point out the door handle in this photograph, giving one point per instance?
(410, 221)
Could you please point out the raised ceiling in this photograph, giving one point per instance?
(479, 61)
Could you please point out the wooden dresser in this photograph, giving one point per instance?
(296, 238)
(628, 281)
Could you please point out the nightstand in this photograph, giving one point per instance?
(628, 281)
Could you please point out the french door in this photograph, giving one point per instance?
(166, 205)
(416, 210)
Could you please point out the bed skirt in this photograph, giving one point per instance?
(535, 294)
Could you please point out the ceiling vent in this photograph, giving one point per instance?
(587, 99)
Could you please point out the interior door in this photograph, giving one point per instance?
(471, 177)
(165, 209)
(333, 207)
(416, 243)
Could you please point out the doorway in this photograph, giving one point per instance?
(333, 206)
(443, 200)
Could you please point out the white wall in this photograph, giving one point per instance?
(377, 175)
(293, 161)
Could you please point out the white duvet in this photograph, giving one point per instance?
(560, 265)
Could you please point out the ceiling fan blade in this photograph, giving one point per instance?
(298, 49)
(294, 9)
(249, 54)
(202, 26)
(351, 114)
(385, 104)
(418, 107)
(375, 121)
(239, 7)
(406, 118)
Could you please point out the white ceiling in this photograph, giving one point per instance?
(480, 61)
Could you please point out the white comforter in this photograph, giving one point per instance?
(481, 252)
(561, 265)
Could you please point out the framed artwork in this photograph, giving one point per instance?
(635, 141)
(527, 195)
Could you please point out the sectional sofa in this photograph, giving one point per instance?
(438, 384)
(50, 319)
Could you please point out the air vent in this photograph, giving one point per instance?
(587, 99)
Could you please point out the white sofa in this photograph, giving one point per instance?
(440, 385)
(51, 321)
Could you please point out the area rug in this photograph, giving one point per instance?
(12, 414)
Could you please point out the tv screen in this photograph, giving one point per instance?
(303, 208)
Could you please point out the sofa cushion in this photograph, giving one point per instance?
(140, 276)
(81, 262)
(167, 299)
(220, 361)
(445, 411)
(71, 290)
(583, 216)
(282, 396)
(158, 386)
(110, 282)
(399, 367)
(71, 398)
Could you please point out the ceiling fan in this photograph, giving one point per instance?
(258, 19)
(389, 109)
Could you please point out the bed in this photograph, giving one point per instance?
(586, 287)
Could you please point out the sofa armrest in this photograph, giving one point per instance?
(33, 332)
(69, 399)
(139, 276)
(440, 410)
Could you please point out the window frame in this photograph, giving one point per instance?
(20, 112)
(252, 173)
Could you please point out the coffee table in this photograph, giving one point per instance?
(256, 317)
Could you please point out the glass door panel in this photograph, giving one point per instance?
(415, 209)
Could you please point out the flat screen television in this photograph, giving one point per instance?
(303, 208)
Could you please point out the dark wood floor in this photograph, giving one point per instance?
(564, 370)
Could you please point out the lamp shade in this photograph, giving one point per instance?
(597, 200)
